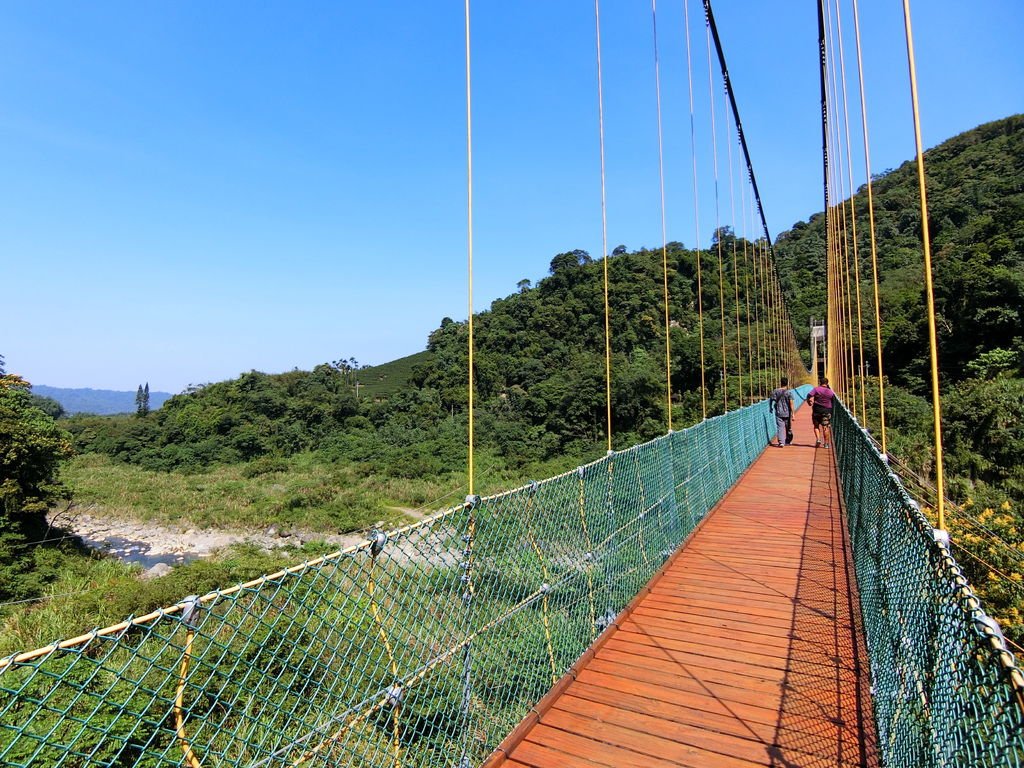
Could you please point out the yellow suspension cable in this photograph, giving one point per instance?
(848, 288)
(844, 248)
(469, 219)
(664, 234)
(389, 650)
(547, 580)
(777, 297)
(930, 291)
(871, 220)
(850, 383)
(582, 499)
(769, 361)
(718, 219)
(772, 320)
(769, 357)
(831, 371)
(774, 296)
(604, 233)
(746, 291)
(696, 218)
(179, 702)
(853, 217)
(773, 310)
(735, 275)
(757, 319)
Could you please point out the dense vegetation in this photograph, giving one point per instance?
(342, 447)
(33, 446)
(976, 222)
(539, 374)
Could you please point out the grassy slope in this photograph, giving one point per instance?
(379, 381)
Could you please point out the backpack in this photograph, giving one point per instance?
(780, 395)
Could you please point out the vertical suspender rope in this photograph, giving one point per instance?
(696, 218)
(925, 237)
(718, 218)
(839, 285)
(710, 15)
(823, 72)
(762, 352)
(776, 311)
(469, 248)
(467, 658)
(780, 319)
(664, 235)
(769, 358)
(773, 327)
(604, 233)
(735, 272)
(839, 223)
(871, 221)
(746, 292)
(837, 84)
(853, 220)
(763, 315)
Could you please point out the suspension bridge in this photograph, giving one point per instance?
(697, 600)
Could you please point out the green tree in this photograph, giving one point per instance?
(33, 447)
(49, 406)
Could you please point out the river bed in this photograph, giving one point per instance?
(148, 544)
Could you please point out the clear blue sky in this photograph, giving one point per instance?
(191, 189)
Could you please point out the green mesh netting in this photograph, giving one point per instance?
(946, 691)
(422, 647)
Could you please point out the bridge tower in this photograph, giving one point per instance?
(817, 348)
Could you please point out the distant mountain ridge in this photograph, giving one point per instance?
(101, 402)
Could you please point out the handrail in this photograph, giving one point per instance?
(370, 655)
(946, 687)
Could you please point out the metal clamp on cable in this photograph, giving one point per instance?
(394, 695)
(190, 611)
(606, 620)
(940, 537)
(989, 626)
(377, 541)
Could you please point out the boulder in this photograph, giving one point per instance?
(158, 570)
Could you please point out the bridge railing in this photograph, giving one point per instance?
(946, 690)
(424, 646)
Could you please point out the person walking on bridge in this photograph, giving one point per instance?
(781, 403)
(821, 399)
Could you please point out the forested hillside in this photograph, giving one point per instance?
(345, 447)
(976, 207)
(976, 220)
(540, 372)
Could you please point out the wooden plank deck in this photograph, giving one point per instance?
(746, 651)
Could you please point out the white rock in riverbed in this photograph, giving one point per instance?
(158, 570)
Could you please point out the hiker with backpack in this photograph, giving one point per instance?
(781, 404)
(822, 398)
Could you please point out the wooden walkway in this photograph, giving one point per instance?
(745, 650)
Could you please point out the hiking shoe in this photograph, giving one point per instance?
(817, 443)
(826, 445)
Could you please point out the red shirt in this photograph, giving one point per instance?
(822, 397)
